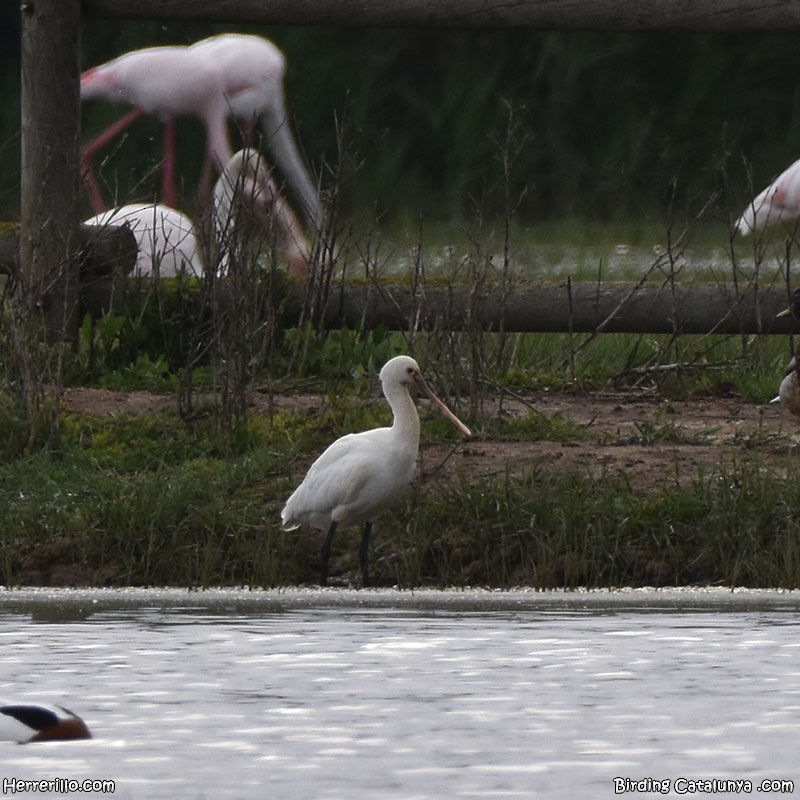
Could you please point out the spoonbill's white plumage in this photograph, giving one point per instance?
(361, 474)
(245, 201)
(23, 722)
(779, 202)
(166, 239)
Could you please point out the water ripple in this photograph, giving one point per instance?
(341, 701)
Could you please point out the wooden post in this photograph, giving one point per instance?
(49, 229)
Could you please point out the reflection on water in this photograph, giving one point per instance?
(395, 695)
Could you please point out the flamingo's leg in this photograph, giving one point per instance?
(98, 143)
(168, 194)
(96, 199)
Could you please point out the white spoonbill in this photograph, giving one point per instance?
(25, 722)
(247, 209)
(167, 241)
(779, 202)
(361, 474)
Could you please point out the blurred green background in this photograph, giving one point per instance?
(611, 122)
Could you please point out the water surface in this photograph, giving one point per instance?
(339, 694)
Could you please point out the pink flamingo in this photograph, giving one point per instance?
(167, 241)
(246, 192)
(227, 75)
(779, 202)
(252, 70)
(169, 82)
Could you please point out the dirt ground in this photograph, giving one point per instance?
(652, 440)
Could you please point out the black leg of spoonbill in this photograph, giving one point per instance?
(364, 553)
(325, 555)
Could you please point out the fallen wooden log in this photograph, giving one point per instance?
(551, 308)
(105, 250)
(542, 308)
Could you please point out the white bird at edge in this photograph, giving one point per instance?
(361, 474)
(167, 240)
(789, 392)
(779, 202)
(28, 722)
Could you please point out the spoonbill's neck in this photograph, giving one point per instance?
(406, 419)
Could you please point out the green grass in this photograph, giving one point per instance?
(705, 365)
(151, 499)
(736, 526)
(138, 500)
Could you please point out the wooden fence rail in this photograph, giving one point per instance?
(551, 308)
(618, 15)
(545, 308)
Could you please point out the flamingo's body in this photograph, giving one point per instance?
(167, 242)
(778, 203)
(247, 209)
(252, 71)
(227, 75)
(40, 723)
(361, 474)
(167, 82)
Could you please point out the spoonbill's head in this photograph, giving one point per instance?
(404, 371)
